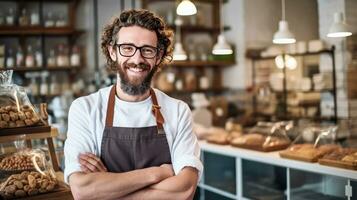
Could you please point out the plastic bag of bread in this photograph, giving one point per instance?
(311, 152)
(16, 109)
(25, 173)
(265, 136)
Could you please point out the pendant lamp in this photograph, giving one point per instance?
(179, 53)
(283, 35)
(339, 28)
(221, 47)
(185, 8)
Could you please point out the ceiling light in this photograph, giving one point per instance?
(221, 47)
(179, 53)
(339, 28)
(283, 35)
(185, 8)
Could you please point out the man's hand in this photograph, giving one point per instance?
(91, 163)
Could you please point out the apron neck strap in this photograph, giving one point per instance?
(110, 107)
(155, 109)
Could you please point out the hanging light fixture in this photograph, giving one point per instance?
(221, 47)
(185, 8)
(283, 35)
(179, 53)
(339, 28)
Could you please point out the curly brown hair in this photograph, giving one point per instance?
(144, 19)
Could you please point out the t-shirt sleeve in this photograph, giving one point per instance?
(185, 148)
(80, 138)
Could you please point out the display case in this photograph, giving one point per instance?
(306, 185)
(263, 181)
(261, 175)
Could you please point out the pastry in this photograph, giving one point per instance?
(339, 154)
(218, 138)
(252, 139)
(272, 141)
(308, 151)
(352, 158)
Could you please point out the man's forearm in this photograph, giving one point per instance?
(181, 187)
(104, 185)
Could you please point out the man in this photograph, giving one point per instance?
(129, 141)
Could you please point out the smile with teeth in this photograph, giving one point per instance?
(136, 69)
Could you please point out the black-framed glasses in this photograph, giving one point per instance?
(128, 50)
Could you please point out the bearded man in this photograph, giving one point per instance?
(128, 140)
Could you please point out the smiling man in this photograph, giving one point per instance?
(130, 141)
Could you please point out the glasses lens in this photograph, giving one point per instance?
(148, 52)
(127, 49)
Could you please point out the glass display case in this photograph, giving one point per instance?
(236, 173)
(220, 172)
(263, 181)
(305, 185)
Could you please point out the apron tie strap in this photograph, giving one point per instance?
(157, 114)
(156, 111)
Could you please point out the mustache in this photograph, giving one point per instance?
(140, 66)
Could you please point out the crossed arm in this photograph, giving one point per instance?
(149, 183)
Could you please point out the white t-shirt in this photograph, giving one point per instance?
(86, 122)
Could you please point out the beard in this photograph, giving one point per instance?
(135, 85)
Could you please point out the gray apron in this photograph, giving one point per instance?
(125, 149)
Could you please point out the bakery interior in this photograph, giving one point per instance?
(272, 85)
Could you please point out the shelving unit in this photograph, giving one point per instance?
(210, 30)
(330, 52)
(45, 38)
(274, 177)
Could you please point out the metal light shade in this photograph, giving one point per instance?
(283, 35)
(179, 53)
(185, 8)
(222, 47)
(339, 28)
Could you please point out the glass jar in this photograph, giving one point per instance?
(62, 56)
(10, 17)
(10, 60)
(75, 56)
(35, 19)
(19, 57)
(24, 19)
(29, 60)
(51, 59)
(49, 21)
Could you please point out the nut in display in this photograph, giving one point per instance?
(27, 184)
(18, 162)
(13, 116)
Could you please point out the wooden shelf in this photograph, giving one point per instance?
(292, 54)
(36, 69)
(201, 63)
(197, 29)
(38, 30)
(51, 96)
(301, 91)
(188, 92)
